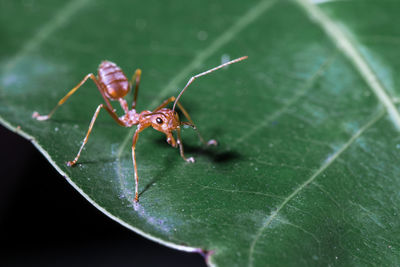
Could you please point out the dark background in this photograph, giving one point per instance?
(45, 222)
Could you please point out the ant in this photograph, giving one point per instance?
(113, 85)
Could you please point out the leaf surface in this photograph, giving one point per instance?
(307, 169)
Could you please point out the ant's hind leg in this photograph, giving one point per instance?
(136, 78)
(39, 117)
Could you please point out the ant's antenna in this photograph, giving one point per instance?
(204, 73)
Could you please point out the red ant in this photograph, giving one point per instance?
(113, 85)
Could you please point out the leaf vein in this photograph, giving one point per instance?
(328, 162)
(206, 187)
(250, 16)
(300, 93)
(59, 19)
(300, 228)
(347, 46)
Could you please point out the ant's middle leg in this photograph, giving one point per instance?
(39, 117)
(96, 113)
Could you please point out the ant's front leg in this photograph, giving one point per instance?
(179, 141)
(164, 103)
(211, 142)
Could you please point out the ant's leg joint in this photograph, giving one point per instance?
(39, 117)
(212, 142)
(190, 160)
(71, 163)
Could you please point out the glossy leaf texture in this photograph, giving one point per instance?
(307, 170)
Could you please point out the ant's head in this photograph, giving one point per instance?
(164, 120)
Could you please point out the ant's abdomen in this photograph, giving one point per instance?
(113, 80)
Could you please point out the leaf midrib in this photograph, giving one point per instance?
(380, 93)
(348, 48)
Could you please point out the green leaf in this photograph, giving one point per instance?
(307, 171)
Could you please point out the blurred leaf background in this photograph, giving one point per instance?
(307, 168)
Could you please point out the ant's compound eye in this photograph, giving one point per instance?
(159, 120)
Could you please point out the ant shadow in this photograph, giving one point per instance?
(210, 152)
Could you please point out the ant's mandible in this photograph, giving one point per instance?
(113, 85)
